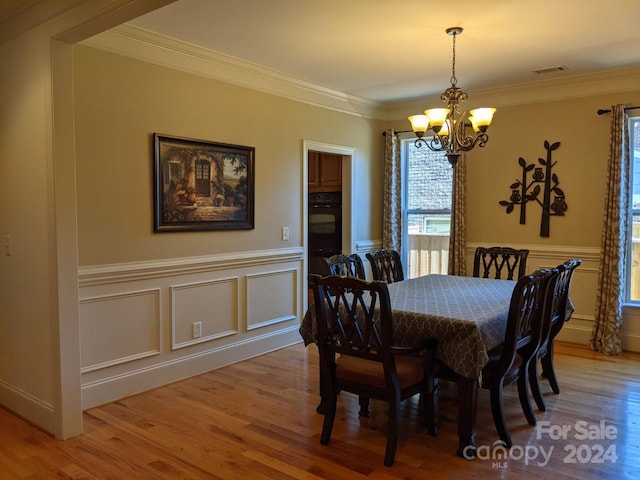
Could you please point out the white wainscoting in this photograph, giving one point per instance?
(136, 319)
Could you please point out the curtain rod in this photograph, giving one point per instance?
(395, 132)
(603, 111)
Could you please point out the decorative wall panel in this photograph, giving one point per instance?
(213, 305)
(271, 298)
(119, 328)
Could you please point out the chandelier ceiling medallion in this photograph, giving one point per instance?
(449, 124)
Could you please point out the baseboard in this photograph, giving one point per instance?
(132, 382)
(580, 333)
(631, 342)
(575, 334)
(27, 406)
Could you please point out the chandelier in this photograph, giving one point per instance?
(449, 125)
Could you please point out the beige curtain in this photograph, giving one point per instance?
(457, 241)
(606, 335)
(392, 194)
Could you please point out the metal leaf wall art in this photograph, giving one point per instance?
(544, 182)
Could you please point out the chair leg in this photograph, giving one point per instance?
(534, 384)
(431, 405)
(523, 394)
(548, 371)
(498, 414)
(364, 406)
(329, 417)
(392, 431)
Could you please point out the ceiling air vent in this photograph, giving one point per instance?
(559, 68)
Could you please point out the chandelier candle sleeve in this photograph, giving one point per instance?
(449, 124)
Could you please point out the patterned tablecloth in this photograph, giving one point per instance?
(466, 315)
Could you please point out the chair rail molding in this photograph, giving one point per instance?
(120, 272)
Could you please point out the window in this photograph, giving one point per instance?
(633, 269)
(426, 209)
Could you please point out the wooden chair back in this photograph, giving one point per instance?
(500, 262)
(556, 312)
(524, 322)
(346, 265)
(557, 302)
(346, 319)
(386, 265)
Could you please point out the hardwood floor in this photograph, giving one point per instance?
(257, 420)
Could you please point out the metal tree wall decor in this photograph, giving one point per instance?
(543, 180)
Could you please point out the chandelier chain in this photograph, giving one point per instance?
(454, 80)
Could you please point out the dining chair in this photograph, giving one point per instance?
(346, 265)
(386, 265)
(493, 260)
(509, 362)
(558, 311)
(355, 345)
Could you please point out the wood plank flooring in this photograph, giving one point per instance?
(257, 420)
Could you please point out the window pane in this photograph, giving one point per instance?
(427, 192)
(429, 179)
(633, 274)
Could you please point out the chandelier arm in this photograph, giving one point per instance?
(465, 142)
(434, 144)
(469, 143)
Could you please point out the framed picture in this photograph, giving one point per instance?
(202, 185)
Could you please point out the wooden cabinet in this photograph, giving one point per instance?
(325, 172)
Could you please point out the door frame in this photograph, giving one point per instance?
(348, 189)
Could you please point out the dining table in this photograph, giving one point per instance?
(466, 316)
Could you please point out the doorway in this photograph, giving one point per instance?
(347, 155)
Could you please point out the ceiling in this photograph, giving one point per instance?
(393, 51)
(10, 8)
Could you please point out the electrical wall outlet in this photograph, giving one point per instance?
(196, 329)
(285, 233)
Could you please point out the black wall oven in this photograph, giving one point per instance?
(325, 229)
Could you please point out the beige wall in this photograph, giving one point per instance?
(520, 131)
(121, 102)
(39, 351)
(27, 294)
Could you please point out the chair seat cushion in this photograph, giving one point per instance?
(410, 370)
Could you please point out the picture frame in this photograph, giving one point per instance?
(202, 185)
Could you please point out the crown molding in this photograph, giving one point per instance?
(574, 86)
(144, 45)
